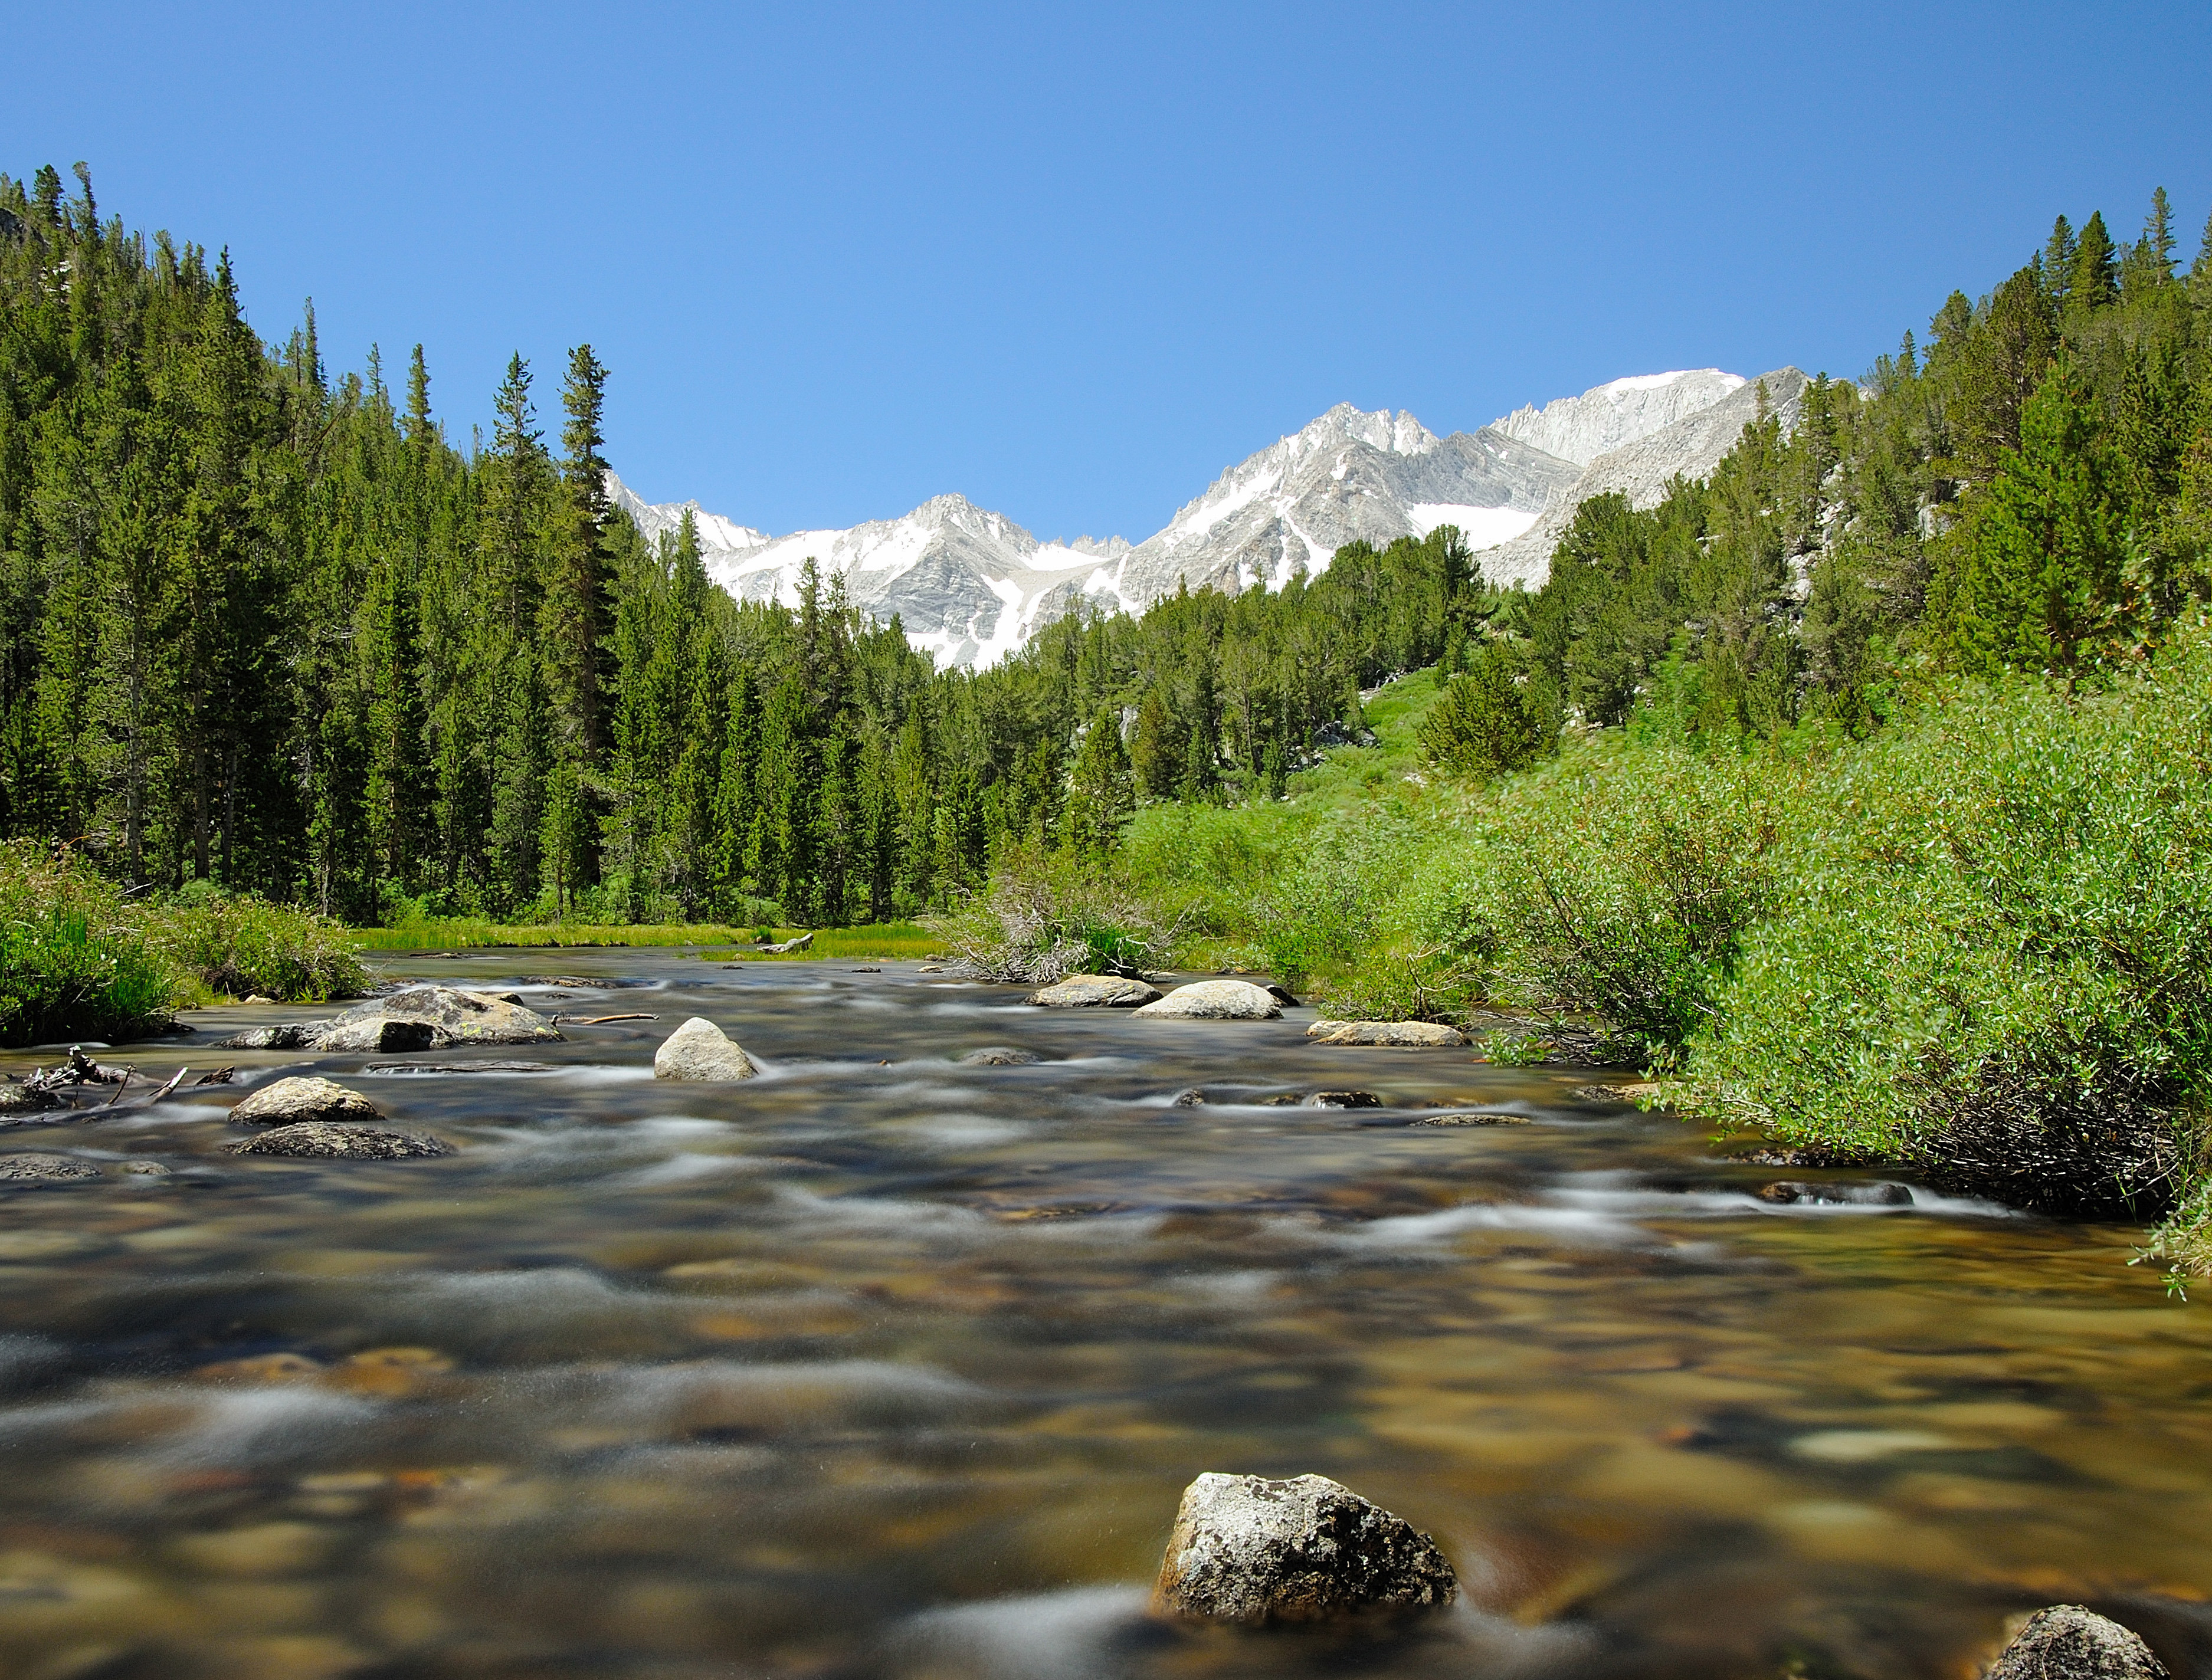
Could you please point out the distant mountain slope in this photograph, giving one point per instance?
(1689, 447)
(1348, 477)
(970, 584)
(1606, 417)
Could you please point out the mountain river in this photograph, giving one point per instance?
(881, 1364)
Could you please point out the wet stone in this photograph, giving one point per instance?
(1805, 1193)
(2068, 1642)
(999, 1056)
(317, 1138)
(1109, 991)
(1473, 1117)
(289, 1101)
(701, 1052)
(1251, 1550)
(1344, 1099)
(1388, 1035)
(45, 1169)
(1215, 1000)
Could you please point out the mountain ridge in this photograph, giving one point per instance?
(970, 585)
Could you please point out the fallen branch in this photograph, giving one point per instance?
(175, 1080)
(602, 1020)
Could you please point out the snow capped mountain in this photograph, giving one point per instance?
(970, 586)
(1347, 476)
(1605, 417)
(966, 583)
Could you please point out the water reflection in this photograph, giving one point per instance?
(887, 1364)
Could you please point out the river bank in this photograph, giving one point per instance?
(883, 1363)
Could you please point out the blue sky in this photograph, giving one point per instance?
(1071, 261)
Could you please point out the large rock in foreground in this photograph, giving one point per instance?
(700, 1052)
(1094, 991)
(417, 1017)
(1246, 1549)
(444, 1015)
(315, 1138)
(1389, 1034)
(2067, 1642)
(289, 1101)
(1216, 1000)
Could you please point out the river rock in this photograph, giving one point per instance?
(1388, 1035)
(289, 1101)
(1216, 1000)
(348, 1142)
(2067, 1642)
(1247, 1549)
(998, 1056)
(430, 1017)
(1344, 1099)
(700, 1052)
(1096, 991)
(45, 1168)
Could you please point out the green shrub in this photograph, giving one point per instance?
(243, 946)
(1047, 915)
(73, 961)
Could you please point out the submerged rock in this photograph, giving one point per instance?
(289, 1101)
(2068, 1642)
(999, 1056)
(1089, 992)
(348, 1143)
(700, 1052)
(1388, 1035)
(1806, 1194)
(1344, 1099)
(1216, 1000)
(46, 1169)
(1473, 1117)
(17, 1099)
(1247, 1549)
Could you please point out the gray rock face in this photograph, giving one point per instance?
(2067, 1642)
(45, 1168)
(702, 1053)
(1388, 1035)
(290, 1100)
(1094, 991)
(319, 1138)
(1216, 1000)
(1611, 416)
(1246, 1549)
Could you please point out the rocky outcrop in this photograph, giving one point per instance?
(701, 1052)
(2068, 1642)
(1389, 1034)
(319, 1138)
(1247, 1549)
(415, 1018)
(1216, 1000)
(289, 1101)
(1094, 991)
(45, 1168)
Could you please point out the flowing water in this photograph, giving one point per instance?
(881, 1364)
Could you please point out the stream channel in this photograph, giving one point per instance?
(884, 1365)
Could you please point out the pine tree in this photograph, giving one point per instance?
(1153, 754)
(515, 840)
(2094, 283)
(576, 619)
(1484, 723)
(1100, 795)
(2059, 253)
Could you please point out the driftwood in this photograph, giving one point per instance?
(602, 1020)
(80, 1069)
(219, 1076)
(175, 1080)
